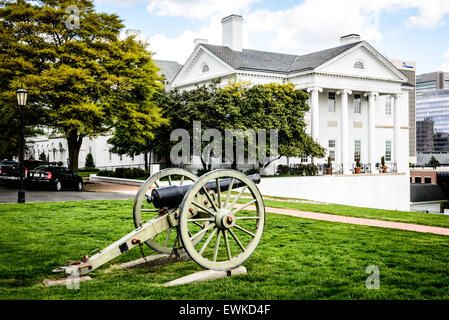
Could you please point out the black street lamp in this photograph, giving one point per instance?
(21, 101)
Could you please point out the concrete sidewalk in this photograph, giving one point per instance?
(356, 221)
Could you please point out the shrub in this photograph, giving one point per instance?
(106, 173)
(201, 171)
(283, 169)
(126, 173)
(42, 156)
(89, 161)
(298, 169)
(444, 205)
(252, 171)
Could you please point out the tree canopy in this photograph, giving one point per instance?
(82, 79)
(241, 106)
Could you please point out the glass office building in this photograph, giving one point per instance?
(431, 81)
(432, 121)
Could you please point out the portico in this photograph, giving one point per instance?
(371, 106)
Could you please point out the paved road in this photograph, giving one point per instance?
(9, 195)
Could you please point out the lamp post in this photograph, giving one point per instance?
(21, 101)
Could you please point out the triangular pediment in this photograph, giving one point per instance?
(362, 61)
(202, 65)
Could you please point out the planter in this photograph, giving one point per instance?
(384, 169)
(357, 170)
(328, 170)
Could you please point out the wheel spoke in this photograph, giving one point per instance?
(203, 208)
(157, 185)
(218, 192)
(209, 238)
(182, 181)
(217, 244)
(228, 250)
(149, 210)
(228, 195)
(202, 231)
(237, 240)
(168, 237)
(238, 197)
(169, 180)
(244, 206)
(200, 219)
(209, 198)
(247, 218)
(244, 230)
(197, 224)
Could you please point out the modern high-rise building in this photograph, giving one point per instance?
(431, 81)
(432, 120)
(424, 135)
(408, 69)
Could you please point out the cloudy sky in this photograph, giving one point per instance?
(416, 30)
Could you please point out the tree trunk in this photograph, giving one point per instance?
(145, 155)
(74, 143)
(266, 164)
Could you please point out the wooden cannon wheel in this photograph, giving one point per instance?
(144, 211)
(233, 232)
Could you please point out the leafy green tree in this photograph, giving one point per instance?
(241, 106)
(81, 78)
(89, 163)
(433, 162)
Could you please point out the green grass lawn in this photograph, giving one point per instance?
(296, 259)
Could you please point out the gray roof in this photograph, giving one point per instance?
(420, 192)
(275, 62)
(168, 68)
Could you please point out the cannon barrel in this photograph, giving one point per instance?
(171, 196)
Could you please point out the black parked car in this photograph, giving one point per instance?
(10, 170)
(54, 177)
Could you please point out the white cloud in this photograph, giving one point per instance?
(431, 14)
(305, 27)
(446, 54)
(198, 9)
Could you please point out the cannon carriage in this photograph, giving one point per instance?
(174, 211)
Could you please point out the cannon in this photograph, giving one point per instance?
(175, 211)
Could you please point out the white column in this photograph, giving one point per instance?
(395, 99)
(344, 131)
(372, 129)
(314, 101)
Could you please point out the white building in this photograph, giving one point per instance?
(358, 99)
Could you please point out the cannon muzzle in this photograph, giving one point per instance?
(172, 196)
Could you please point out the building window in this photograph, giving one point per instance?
(427, 180)
(357, 104)
(205, 68)
(357, 149)
(332, 154)
(332, 143)
(331, 101)
(388, 106)
(388, 150)
(417, 179)
(359, 65)
(304, 158)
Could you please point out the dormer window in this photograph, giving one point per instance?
(359, 65)
(205, 68)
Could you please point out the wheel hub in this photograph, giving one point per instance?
(224, 219)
